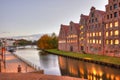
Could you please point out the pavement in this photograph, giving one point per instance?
(34, 76)
(12, 62)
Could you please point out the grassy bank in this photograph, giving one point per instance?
(107, 59)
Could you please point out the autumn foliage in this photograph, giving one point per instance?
(48, 42)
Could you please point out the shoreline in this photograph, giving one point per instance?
(112, 65)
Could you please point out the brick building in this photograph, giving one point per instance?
(73, 37)
(96, 33)
(62, 43)
(82, 35)
(112, 28)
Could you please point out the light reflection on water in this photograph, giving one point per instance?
(57, 65)
(87, 70)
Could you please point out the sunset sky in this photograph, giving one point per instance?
(26, 17)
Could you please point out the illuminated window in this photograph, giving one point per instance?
(116, 32)
(107, 41)
(87, 34)
(116, 24)
(81, 27)
(111, 33)
(99, 41)
(106, 26)
(111, 25)
(96, 33)
(96, 41)
(81, 38)
(81, 32)
(88, 41)
(93, 40)
(93, 34)
(116, 41)
(99, 33)
(106, 34)
(111, 42)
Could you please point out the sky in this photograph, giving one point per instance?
(26, 17)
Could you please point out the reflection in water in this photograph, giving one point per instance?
(90, 71)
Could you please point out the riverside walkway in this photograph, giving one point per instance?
(34, 76)
(12, 62)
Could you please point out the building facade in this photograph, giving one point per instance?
(112, 28)
(82, 35)
(62, 43)
(73, 37)
(97, 33)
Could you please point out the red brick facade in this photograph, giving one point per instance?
(112, 28)
(68, 37)
(96, 33)
(62, 43)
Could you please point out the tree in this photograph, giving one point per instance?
(23, 42)
(47, 42)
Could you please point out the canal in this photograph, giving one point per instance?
(58, 65)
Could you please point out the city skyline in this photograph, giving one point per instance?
(26, 17)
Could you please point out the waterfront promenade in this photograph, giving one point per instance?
(12, 62)
(34, 76)
(9, 72)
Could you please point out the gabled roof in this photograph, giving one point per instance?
(100, 12)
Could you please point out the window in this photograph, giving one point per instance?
(111, 33)
(116, 32)
(96, 41)
(116, 24)
(115, 6)
(115, 14)
(92, 14)
(99, 33)
(110, 7)
(81, 33)
(106, 34)
(93, 40)
(89, 21)
(99, 41)
(81, 27)
(88, 41)
(96, 33)
(107, 16)
(111, 42)
(111, 25)
(92, 20)
(96, 20)
(93, 34)
(116, 41)
(110, 15)
(107, 41)
(106, 26)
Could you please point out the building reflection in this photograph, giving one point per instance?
(85, 70)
